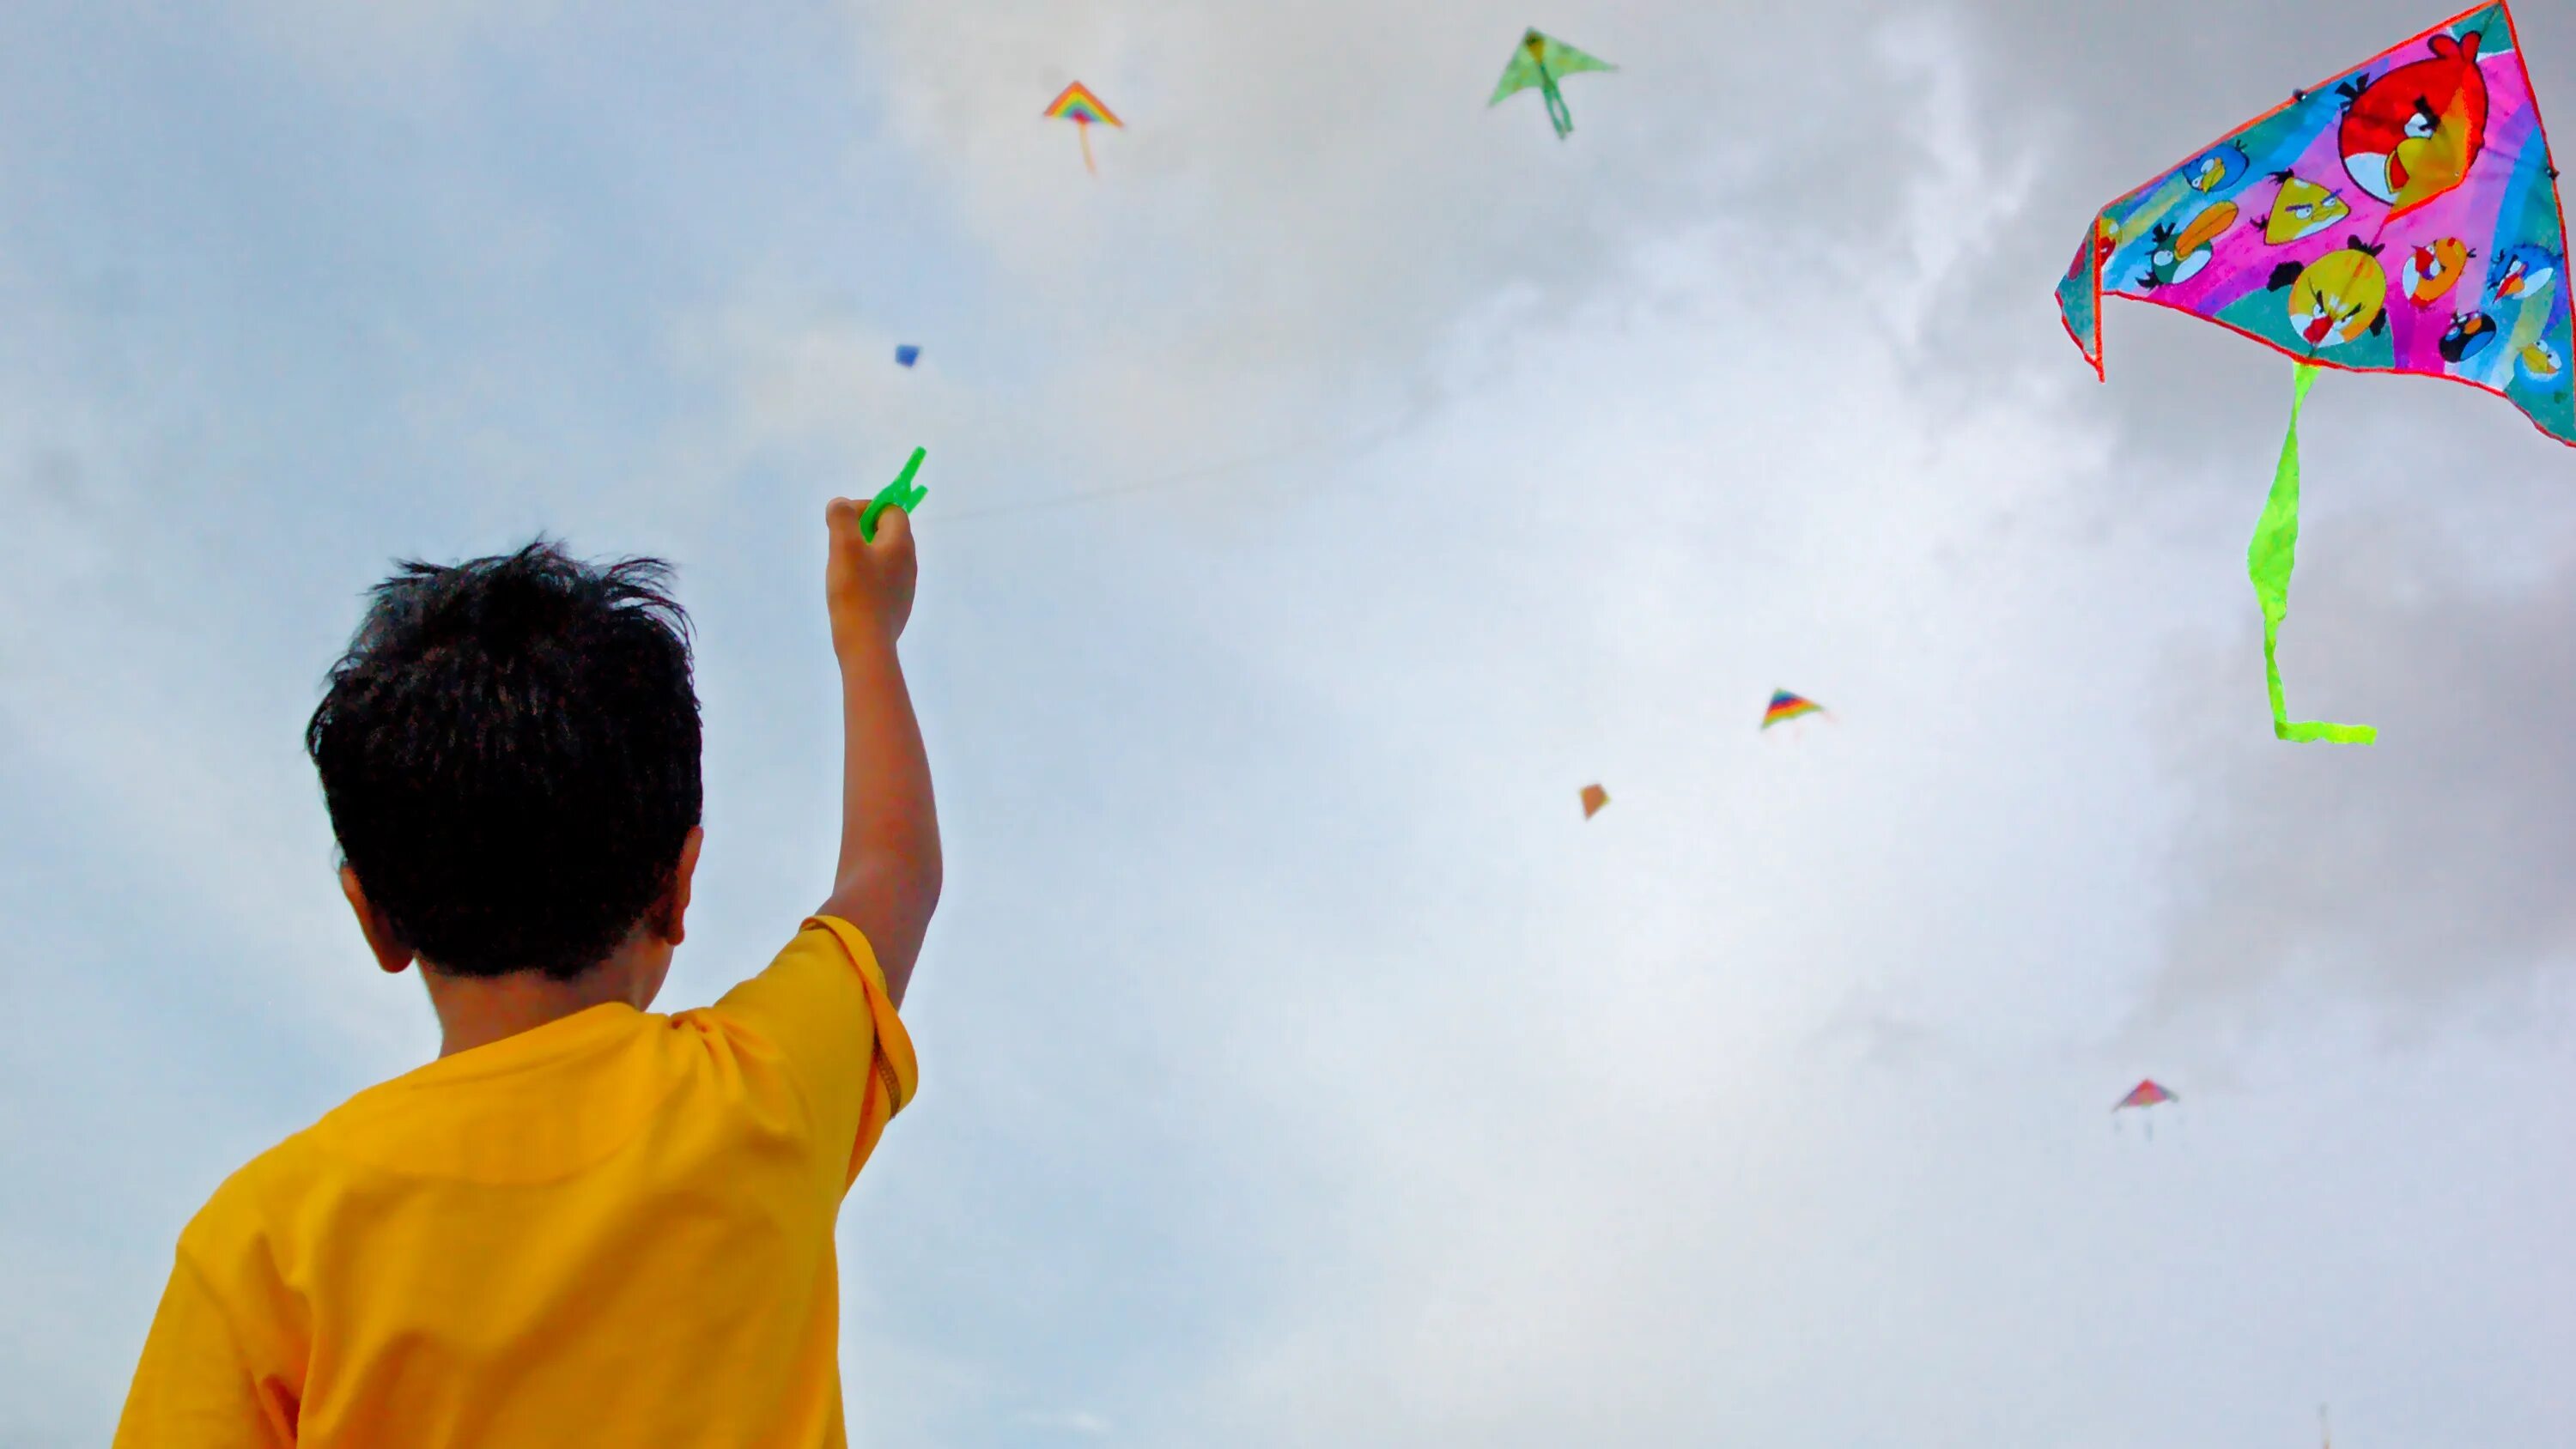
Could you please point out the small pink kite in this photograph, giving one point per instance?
(2144, 1095)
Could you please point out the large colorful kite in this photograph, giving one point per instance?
(2403, 217)
(1537, 61)
(1077, 104)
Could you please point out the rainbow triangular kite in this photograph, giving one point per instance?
(1786, 706)
(1077, 104)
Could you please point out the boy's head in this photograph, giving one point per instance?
(509, 751)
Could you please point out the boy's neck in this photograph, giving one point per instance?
(476, 1011)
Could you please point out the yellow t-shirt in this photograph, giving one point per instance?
(615, 1229)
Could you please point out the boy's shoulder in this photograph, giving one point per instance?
(275, 1195)
(248, 1215)
(275, 1210)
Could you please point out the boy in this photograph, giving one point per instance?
(583, 1224)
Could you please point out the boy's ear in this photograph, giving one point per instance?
(391, 954)
(670, 919)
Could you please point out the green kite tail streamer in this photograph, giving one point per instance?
(901, 493)
(2268, 561)
(1559, 114)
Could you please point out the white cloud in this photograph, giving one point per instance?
(1550, 1138)
(384, 49)
(1077, 1422)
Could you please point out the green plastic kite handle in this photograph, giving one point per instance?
(901, 493)
(2268, 561)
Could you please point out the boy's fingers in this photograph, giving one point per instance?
(894, 524)
(840, 511)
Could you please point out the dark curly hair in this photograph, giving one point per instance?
(509, 751)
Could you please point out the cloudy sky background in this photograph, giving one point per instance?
(1299, 1067)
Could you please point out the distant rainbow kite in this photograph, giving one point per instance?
(1786, 706)
(1077, 104)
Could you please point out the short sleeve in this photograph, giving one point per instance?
(822, 1006)
(195, 1385)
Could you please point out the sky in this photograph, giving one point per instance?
(1319, 497)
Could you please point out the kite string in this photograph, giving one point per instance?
(1306, 447)
(1084, 128)
(2268, 562)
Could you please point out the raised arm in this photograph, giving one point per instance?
(888, 881)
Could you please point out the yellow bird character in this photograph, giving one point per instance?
(2339, 298)
(2301, 210)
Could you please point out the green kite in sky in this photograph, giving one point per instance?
(1539, 61)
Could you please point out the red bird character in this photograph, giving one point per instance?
(2412, 135)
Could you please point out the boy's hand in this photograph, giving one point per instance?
(868, 586)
